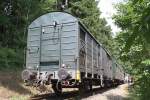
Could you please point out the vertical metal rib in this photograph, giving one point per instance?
(40, 51)
(59, 33)
(92, 58)
(86, 54)
(97, 59)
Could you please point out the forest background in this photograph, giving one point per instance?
(130, 47)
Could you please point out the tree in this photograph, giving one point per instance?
(89, 14)
(133, 18)
(16, 15)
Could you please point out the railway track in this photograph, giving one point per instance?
(69, 95)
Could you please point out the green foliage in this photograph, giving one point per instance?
(10, 58)
(16, 15)
(134, 43)
(89, 14)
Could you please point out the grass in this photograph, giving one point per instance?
(19, 98)
(132, 94)
(12, 87)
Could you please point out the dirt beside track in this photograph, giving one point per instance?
(118, 93)
(12, 88)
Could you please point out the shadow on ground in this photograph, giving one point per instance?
(12, 81)
(73, 95)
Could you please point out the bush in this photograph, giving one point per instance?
(11, 58)
(141, 89)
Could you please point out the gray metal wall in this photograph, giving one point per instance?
(96, 57)
(33, 42)
(119, 73)
(106, 64)
(50, 46)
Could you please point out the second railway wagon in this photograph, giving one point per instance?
(61, 51)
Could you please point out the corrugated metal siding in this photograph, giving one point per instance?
(100, 61)
(113, 68)
(70, 44)
(95, 56)
(103, 61)
(50, 44)
(119, 73)
(110, 69)
(89, 54)
(95, 67)
(47, 52)
(107, 64)
(33, 45)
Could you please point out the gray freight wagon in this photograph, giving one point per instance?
(62, 52)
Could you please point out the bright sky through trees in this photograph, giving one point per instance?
(107, 8)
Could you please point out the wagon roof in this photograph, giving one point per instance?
(49, 18)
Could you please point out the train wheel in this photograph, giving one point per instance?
(57, 88)
(81, 87)
(86, 85)
(102, 85)
(90, 85)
